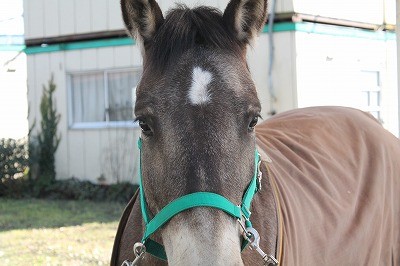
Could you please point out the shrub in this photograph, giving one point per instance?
(13, 166)
(13, 157)
(43, 146)
(48, 139)
(84, 190)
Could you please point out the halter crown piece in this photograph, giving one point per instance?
(199, 199)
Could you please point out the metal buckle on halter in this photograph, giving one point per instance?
(259, 176)
(254, 242)
(139, 249)
(252, 236)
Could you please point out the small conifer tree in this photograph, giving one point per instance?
(47, 137)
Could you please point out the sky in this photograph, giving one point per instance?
(11, 20)
(13, 103)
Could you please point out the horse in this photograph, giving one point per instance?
(311, 186)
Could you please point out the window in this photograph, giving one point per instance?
(102, 98)
(371, 93)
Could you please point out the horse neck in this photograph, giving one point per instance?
(264, 218)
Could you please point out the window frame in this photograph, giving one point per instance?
(103, 124)
(373, 89)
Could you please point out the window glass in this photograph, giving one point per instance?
(120, 85)
(88, 97)
(103, 96)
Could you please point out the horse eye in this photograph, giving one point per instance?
(253, 123)
(146, 129)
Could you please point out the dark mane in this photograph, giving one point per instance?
(185, 28)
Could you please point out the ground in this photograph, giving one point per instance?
(43, 232)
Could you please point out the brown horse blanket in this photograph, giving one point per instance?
(338, 183)
(337, 177)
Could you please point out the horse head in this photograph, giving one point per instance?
(197, 107)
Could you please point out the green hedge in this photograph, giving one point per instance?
(13, 157)
(70, 189)
(16, 183)
(84, 190)
(14, 164)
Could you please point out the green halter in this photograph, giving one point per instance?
(197, 199)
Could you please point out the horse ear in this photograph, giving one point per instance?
(142, 18)
(246, 18)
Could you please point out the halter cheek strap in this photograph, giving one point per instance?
(197, 199)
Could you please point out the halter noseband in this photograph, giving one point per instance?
(197, 199)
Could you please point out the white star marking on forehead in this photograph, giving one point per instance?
(198, 92)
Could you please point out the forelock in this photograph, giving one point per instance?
(185, 29)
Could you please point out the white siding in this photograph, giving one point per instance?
(76, 156)
(49, 18)
(99, 16)
(73, 61)
(34, 28)
(123, 56)
(89, 59)
(257, 58)
(355, 10)
(26, 14)
(283, 74)
(390, 12)
(85, 153)
(66, 17)
(371, 11)
(283, 6)
(119, 156)
(92, 151)
(114, 15)
(83, 14)
(106, 58)
(329, 72)
(168, 4)
(319, 69)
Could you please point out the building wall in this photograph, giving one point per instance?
(283, 72)
(49, 18)
(85, 153)
(371, 11)
(13, 103)
(330, 71)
